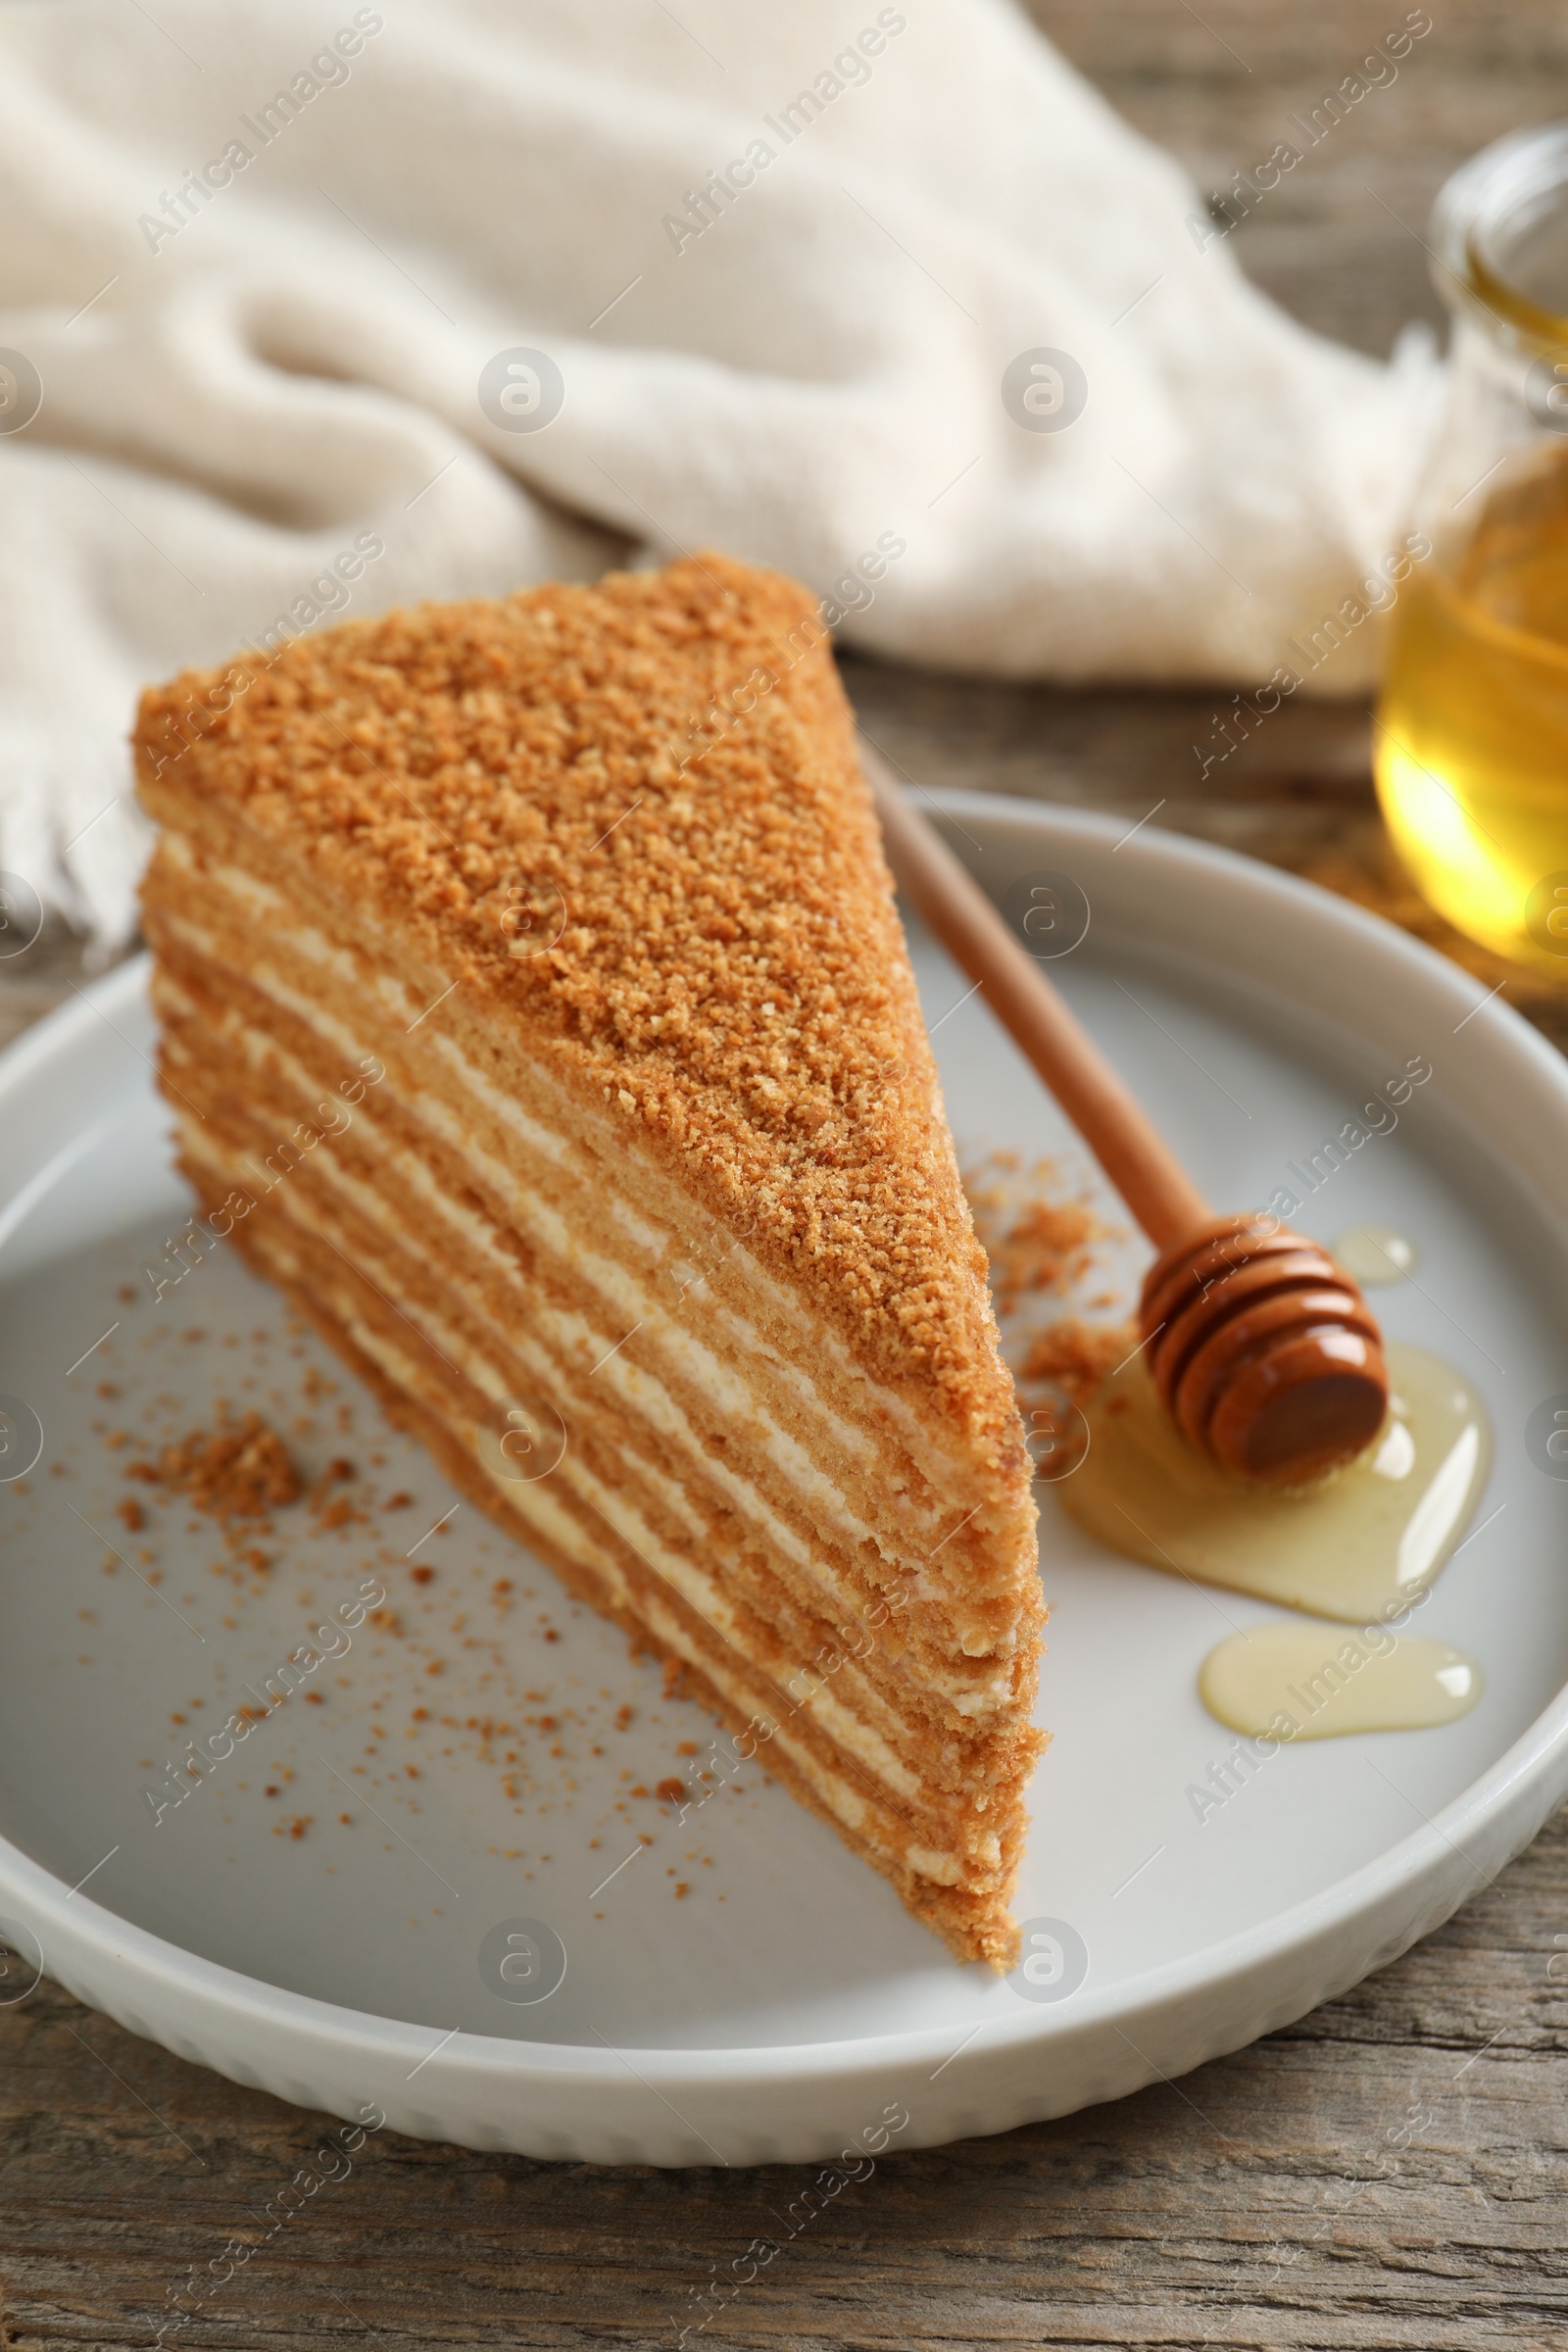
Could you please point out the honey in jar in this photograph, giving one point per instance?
(1471, 734)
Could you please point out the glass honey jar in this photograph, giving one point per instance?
(1471, 731)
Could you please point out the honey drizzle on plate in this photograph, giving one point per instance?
(1296, 1679)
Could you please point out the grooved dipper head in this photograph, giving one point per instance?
(1265, 1352)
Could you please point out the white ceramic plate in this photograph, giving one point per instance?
(785, 2008)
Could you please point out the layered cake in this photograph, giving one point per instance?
(536, 1014)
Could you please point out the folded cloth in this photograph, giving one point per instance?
(307, 311)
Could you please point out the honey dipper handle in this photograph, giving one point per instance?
(1134, 1155)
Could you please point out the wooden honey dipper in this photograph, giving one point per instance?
(1261, 1349)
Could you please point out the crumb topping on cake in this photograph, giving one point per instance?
(631, 816)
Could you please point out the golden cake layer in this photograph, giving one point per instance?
(657, 1178)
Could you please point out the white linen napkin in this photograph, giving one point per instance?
(307, 310)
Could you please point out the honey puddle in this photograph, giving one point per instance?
(1375, 1255)
(1292, 1680)
(1358, 1547)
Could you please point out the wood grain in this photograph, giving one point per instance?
(1340, 241)
(1389, 2175)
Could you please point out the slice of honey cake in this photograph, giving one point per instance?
(535, 1013)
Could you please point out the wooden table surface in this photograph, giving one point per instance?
(1388, 2173)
